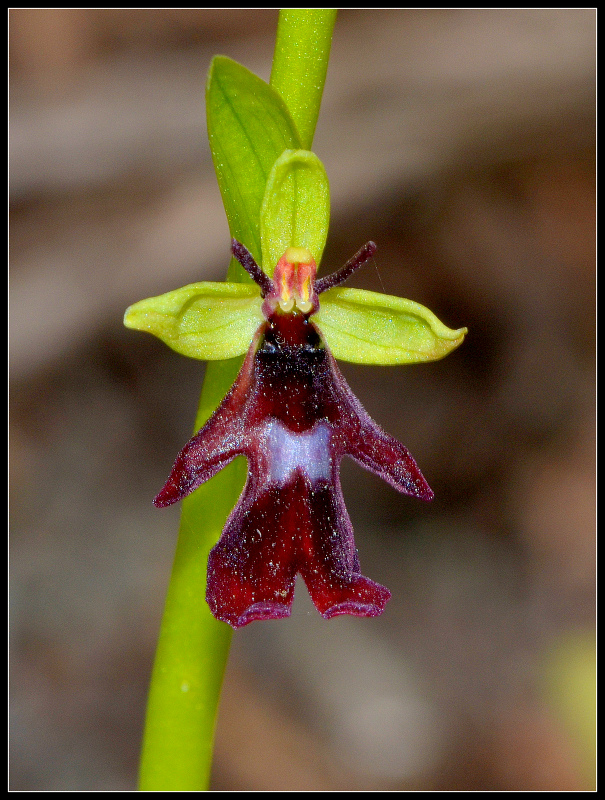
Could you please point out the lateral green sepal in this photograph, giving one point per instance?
(207, 320)
(370, 328)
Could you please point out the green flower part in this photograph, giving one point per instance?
(210, 321)
(215, 321)
(371, 328)
(295, 211)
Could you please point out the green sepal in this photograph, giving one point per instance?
(371, 328)
(249, 126)
(296, 207)
(207, 320)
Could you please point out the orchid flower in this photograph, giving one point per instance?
(291, 413)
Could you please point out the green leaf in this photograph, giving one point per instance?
(204, 320)
(296, 207)
(371, 328)
(249, 126)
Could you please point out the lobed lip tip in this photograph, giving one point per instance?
(356, 608)
(257, 611)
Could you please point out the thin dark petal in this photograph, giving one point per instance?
(389, 459)
(201, 458)
(353, 264)
(246, 259)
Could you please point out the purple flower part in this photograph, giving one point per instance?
(363, 255)
(293, 416)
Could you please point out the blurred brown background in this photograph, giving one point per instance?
(463, 143)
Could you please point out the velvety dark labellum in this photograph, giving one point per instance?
(293, 416)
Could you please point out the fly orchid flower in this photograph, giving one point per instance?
(292, 415)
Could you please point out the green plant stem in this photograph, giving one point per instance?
(300, 64)
(193, 646)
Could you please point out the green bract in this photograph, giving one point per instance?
(249, 127)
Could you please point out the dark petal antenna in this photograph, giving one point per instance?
(340, 276)
(247, 261)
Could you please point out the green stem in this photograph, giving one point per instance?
(193, 646)
(300, 64)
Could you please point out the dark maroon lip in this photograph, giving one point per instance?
(291, 413)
